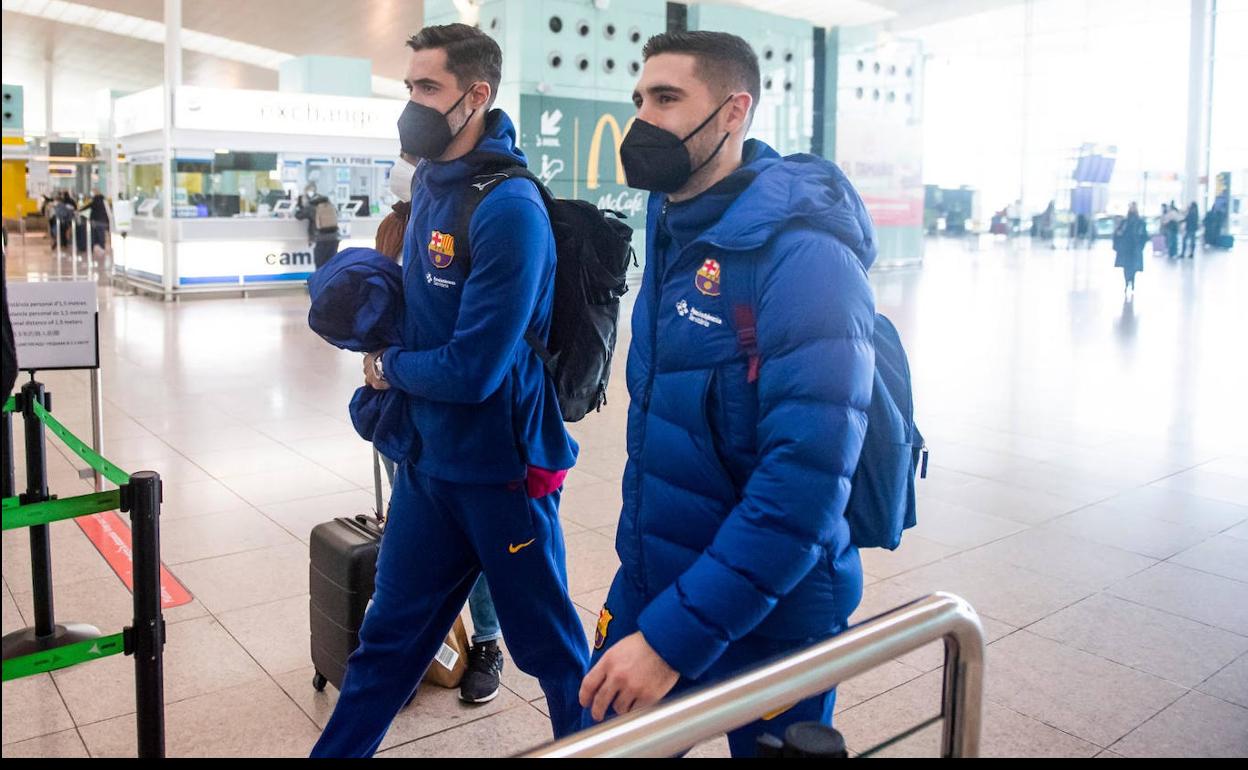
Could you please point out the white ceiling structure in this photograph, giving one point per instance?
(97, 45)
(895, 15)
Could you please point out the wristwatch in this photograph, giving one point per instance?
(378, 370)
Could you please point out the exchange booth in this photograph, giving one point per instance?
(239, 163)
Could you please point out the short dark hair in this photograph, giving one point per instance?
(471, 55)
(724, 61)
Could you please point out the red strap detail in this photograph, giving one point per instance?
(747, 336)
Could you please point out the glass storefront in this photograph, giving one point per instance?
(217, 184)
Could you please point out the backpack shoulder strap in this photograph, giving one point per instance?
(479, 187)
(743, 301)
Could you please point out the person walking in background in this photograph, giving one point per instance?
(100, 217)
(322, 219)
(1214, 222)
(1170, 226)
(1129, 240)
(1191, 225)
(63, 211)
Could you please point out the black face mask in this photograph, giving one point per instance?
(657, 160)
(426, 133)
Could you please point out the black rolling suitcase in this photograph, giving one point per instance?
(342, 567)
(340, 583)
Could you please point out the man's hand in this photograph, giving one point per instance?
(630, 675)
(370, 372)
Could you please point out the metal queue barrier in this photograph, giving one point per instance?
(47, 646)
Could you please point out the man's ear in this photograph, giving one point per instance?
(479, 95)
(738, 111)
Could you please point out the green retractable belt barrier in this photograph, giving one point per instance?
(80, 448)
(17, 516)
(64, 657)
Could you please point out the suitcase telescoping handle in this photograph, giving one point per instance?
(377, 485)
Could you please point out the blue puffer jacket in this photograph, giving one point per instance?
(734, 493)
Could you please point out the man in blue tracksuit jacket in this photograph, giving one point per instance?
(750, 371)
(477, 487)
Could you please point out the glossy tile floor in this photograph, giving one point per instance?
(1088, 495)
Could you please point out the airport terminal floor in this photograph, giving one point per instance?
(1088, 495)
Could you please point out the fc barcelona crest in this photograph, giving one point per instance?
(707, 279)
(441, 249)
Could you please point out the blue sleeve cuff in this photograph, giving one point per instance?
(684, 642)
(390, 366)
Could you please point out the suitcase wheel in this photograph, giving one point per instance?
(319, 681)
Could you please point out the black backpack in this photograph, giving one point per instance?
(594, 250)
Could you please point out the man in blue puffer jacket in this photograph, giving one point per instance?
(483, 450)
(750, 372)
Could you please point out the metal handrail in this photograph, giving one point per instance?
(675, 726)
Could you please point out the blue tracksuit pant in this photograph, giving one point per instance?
(619, 619)
(439, 538)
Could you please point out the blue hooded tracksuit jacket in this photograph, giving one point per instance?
(479, 411)
(481, 404)
(733, 542)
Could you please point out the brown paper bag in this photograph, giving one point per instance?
(451, 662)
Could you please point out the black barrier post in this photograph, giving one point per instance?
(45, 634)
(37, 492)
(9, 480)
(142, 498)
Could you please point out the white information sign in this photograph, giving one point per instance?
(54, 324)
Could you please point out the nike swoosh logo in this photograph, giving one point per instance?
(522, 546)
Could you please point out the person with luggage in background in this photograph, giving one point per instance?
(478, 490)
(482, 679)
(1214, 222)
(100, 220)
(64, 212)
(47, 208)
(750, 372)
(322, 224)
